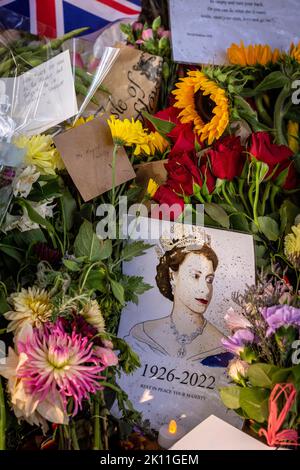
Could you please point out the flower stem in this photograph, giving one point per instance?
(265, 197)
(226, 197)
(278, 116)
(74, 436)
(256, 198)
(97, 433)
(2, 418)
(104, 423)
(262, 111)
(113, 191)
(241, 193)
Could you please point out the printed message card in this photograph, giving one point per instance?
(203, 30)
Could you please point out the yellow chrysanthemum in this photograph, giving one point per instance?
(92, 314)
(81, 121)
(203, 103)
(157, 143)
(292, 246)
(152, 187)
(31, 306)
(256, 54)
(295, 51)
(293, 136)
(41, 152)
(126, 132)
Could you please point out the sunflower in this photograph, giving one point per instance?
(203, 103)
(292, 246)
(295, 51)
(256, 54)
(31, 306)
(41, 152)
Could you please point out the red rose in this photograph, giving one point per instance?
(169, 114)
(226, 158)
(182, 135)
(183, 138)
(263, 149)
(182, 173)
(292, 178)
(165, 196)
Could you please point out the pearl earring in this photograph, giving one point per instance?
(172, 283)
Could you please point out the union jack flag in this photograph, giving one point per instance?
(54, 18)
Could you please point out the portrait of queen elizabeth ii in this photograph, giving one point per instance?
(185, 275)
(177, 326)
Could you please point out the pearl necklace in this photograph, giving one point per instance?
(184, 339)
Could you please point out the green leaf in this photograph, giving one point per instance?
(281, 375)
(4, 306)
(29, 237)
(260, 255)
(71, 265)
(260, 375)
(118, 291)
(34, 215)
(69, 207)
(239, 222)
(88, 244)
(163, 127)
(230, 396)
(46, 191)
(288, 212)
(133, 249)
(244, 111)
(134, 286)
(97, 280)
(106, 249)
(281, 178)
(216, 213)
(254, 401)
(269, 227)
(12, 252)
(274, 80)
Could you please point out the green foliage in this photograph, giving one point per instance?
(133, 249)
(133, 287)
(89, 245)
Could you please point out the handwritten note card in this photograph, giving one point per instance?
(202, 30)
(87, 153)
(43, 96)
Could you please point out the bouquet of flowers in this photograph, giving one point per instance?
(266, 365)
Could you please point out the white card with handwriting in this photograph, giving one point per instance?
(203, 30)
(41, 97)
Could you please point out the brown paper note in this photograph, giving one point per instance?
(133, 82)
(87, 153)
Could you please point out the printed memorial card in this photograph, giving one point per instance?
(177, 326)
(202, 30)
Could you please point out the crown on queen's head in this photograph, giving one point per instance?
(189, 237)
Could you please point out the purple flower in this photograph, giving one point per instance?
(237, 342)
(280, 315)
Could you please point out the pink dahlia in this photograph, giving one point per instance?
(60, 366)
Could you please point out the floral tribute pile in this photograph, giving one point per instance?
(229, 139)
